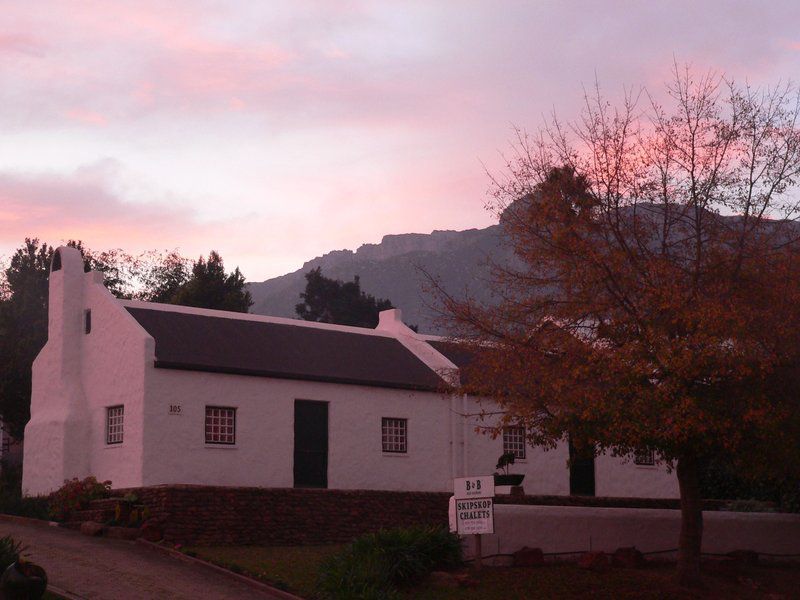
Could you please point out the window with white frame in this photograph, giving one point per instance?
(644, 457)
(514, 441)
(114, 421)
(394, 434)
(220, 425)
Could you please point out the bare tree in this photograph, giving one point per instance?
(655, 304)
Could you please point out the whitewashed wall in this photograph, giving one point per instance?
(78, 376)
(546, 471)
(57, 435)
(578, 529)
(176, 452)
(114, 359)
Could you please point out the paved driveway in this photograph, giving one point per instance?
(99, 568)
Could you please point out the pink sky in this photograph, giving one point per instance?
(274, 132)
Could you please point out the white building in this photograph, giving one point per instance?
(145, 394)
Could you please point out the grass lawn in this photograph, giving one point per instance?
(294, 569)
(567, 581)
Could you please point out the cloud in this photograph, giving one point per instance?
(11, 43)
(365, 118)
(81, 206)
(376, 64)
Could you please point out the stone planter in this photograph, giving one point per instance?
(23, 581)
(513, 479)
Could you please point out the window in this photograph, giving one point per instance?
(644, 457)
(87, 321)
(114, 418)
(220, 425)
(514, 441)
(394, 435)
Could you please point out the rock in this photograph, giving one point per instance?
(629, 558)
(122, 533)
(91, 528)
(443, 579)
(745, 557)
(151, 532)
(528, 557)
(594, 561)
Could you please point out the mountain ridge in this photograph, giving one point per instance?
(393, 269)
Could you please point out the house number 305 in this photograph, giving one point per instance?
(174, 409)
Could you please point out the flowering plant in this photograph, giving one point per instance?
(76, 494)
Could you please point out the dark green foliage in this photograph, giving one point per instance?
(505, 459)
(722, 480)
(332, 301)
(10, 551)
(210, 287)
(375, 565)
(23, 329)
(11, 500)
(163, 277)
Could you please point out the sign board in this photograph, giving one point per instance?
(474, 515)
(474, 487)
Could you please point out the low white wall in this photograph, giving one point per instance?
(578, 529)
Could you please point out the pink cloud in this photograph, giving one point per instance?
(80, 206)
(83, 206)
(19, 43)
(88, 117)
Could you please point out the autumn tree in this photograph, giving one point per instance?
(332, 301)
(654, 303)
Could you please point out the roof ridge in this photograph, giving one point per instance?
(238, 316)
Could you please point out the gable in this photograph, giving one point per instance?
(245, 347)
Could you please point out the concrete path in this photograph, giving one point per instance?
(105, 569)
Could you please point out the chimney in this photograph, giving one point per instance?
(391, 321)
(66, 307)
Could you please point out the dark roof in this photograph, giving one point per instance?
(459, 355)
(246, 347)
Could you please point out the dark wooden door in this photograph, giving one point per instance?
(581, 471)
(310, 444)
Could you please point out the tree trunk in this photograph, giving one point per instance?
(691, 521)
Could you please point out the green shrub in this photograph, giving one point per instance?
(11, 500)
(749, 505)
(375, 564)
(722, 480)
(76, 494)
(12, 503)
(10, 551)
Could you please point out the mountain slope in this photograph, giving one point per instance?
(391, 269)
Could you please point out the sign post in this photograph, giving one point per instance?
(474, 508)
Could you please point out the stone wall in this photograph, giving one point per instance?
(205, 515)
